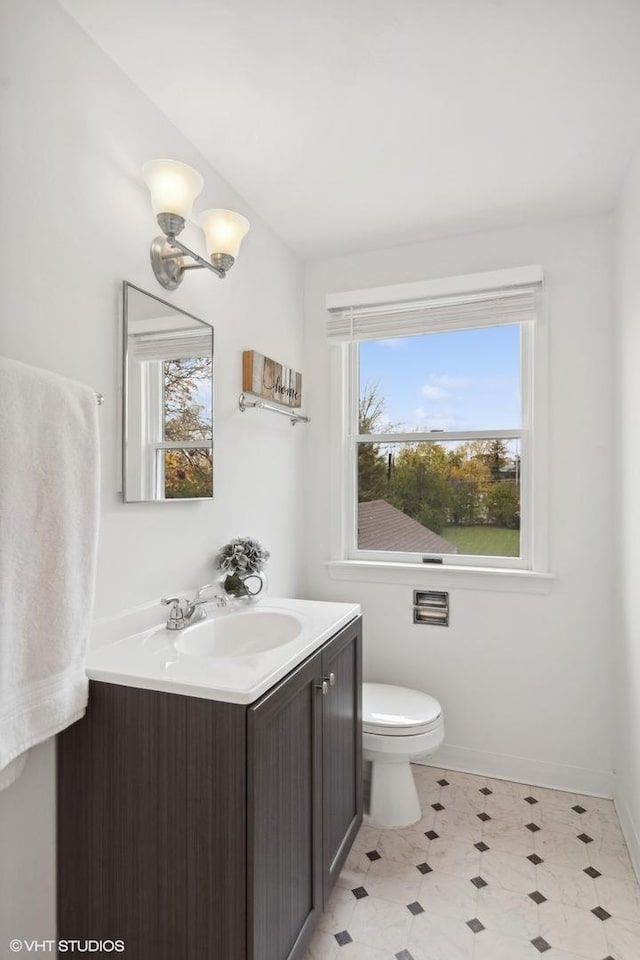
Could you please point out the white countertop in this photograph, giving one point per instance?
(151, 660)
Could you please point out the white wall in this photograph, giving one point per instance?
(76, 222)
(524, 680)
(628, 663)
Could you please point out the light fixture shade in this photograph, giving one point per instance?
(173, 186)
(224, 231)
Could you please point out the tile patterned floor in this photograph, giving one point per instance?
(493, 871)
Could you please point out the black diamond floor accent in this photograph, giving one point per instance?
(359, 893)
(579, 809)
(404, 955)
(481, 846)
(415, 908)
(424, 868)
(600, 913)
(475, 925)
(478, 882)
(431, 835)
(343, 937)
(537, 897)
(486, 791)
(534, 858)
(530, 800)
(592, 872)
(483, 817)
(533, 827)
(443, 783)
(585, 838)
(374, 855)
(541, 944)
(437, 806)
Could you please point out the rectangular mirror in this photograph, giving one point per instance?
(168, 401)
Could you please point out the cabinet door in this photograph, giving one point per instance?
(284, 817)
(341, 749)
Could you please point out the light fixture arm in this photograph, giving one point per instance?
(168, 265)
(200, 261)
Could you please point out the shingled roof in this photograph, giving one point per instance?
(383, 527)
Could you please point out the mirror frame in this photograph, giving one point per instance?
(126, 287)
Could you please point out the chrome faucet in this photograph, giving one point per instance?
(184, 611)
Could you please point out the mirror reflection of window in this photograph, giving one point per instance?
(169, 402)
(187, 416)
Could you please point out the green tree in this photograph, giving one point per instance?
(372, 463)
(419, 485)
(502, 504)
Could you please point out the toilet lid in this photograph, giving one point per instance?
(397, 711)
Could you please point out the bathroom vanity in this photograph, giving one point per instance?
(193, 827)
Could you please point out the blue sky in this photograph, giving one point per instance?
(462, 380)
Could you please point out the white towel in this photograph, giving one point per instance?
(49, 503)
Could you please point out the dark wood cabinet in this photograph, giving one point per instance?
(192, 828)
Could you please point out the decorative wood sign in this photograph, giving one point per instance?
(271, 380)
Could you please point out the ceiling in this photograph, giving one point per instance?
(356, 124)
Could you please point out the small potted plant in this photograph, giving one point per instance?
(241, 561)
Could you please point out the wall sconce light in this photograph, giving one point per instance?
(174, 187)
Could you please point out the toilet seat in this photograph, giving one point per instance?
(392, 711)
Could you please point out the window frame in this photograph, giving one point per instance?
(532, 436)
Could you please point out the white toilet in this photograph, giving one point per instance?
(399, 725)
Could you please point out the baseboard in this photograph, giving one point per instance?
(630, 833)
(594, 783)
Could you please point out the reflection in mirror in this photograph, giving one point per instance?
(168, 401)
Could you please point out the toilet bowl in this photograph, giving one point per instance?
(398, 725)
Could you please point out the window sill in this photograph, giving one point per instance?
(452, 577)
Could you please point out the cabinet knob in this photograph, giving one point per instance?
(324, 686)
(332, 679)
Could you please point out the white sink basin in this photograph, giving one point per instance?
(235, 655)
(241, 634)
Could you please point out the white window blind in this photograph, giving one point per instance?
(484, 308)
(172, 346)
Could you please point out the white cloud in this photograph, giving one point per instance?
(450, 383)
(431, 392)
(425, 421)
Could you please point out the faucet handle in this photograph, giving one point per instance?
(201, 590)
(176, 615)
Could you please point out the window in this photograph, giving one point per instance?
(438, 445)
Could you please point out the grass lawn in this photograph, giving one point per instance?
(489, 541)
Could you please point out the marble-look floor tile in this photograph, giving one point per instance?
(455, 857)
(383, 869)
(623, 939)
(512, 839)
(612, 860)
(505, 871)
(495, 946)
(562, 848)
(566, 885)
(363, 951)
(448, 895)
(338, 911)
(323, 946)
(404, 846)
(455, 824)
(621, 898)
(573, 930)
(390, 880)
(434, 937)
(381, 924)
(509, 914)
(367, 838)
